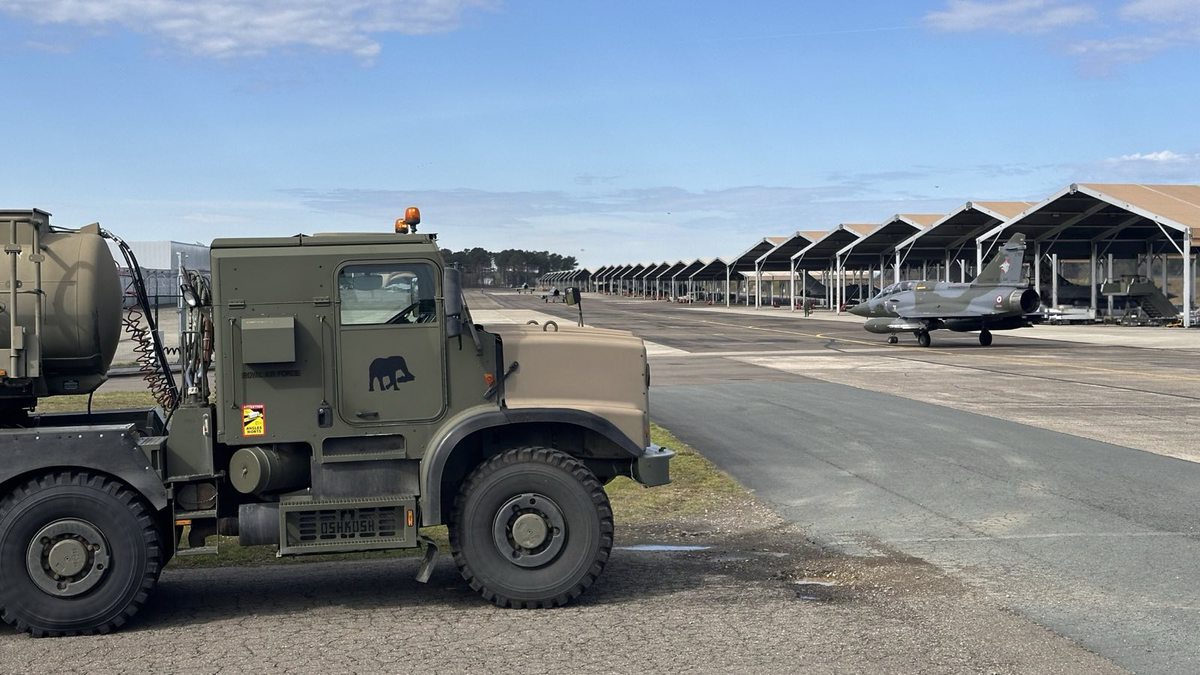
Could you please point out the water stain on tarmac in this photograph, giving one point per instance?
(662, 548)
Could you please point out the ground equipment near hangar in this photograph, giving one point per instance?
(353, 401)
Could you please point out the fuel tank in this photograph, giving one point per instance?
(81, 291)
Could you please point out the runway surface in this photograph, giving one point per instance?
(1052, 475)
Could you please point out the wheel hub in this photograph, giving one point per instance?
(67, 557)
(529, 530)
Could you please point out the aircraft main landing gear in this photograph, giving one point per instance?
(892, 339)
(985, 337)
(923, 338)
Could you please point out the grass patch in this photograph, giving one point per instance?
(102, 400)
(696, 486)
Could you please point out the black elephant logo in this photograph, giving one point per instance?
(389, 371)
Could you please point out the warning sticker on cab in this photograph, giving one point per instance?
(254, 419)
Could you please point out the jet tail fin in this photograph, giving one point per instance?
(1005, 267)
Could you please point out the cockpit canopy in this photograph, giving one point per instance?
(897, 288)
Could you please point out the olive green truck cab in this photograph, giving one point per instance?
(333, 394)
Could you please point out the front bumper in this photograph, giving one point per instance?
(654, 466)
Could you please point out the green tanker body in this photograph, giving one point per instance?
(333, 394)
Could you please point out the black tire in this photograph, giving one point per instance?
(129, 543)
(892, 339)
(923, 338)
(584, 542)
(985, 338)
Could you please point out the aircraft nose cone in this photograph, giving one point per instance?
(859, 309)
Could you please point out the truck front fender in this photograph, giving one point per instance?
(433, 467)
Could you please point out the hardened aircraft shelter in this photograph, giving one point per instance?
(779, 258)
(681, 281)
(822, 255)
(641, 280)
(662, 279)
(1090, 220)
(709, 277)
(878, 247)
(951, 239)
(746, 263)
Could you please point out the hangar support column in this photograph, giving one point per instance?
(1054, 280)
(1037, 267)
(1188, 278)
(844, 285)
(757, 286)
(828, 279)
(792, 284)
(1092, 277)
(1108, 277)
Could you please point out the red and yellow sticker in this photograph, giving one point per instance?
(254, 419)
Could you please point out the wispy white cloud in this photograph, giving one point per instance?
(1012, 16)
(1161, 157)
(1100, 55)
(48, 47)
(1162, 11)
(1134, 31)
(229, 28)
(1161, 166)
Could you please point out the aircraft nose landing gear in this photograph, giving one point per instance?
(892, 339)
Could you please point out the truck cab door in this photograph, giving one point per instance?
(390, 345)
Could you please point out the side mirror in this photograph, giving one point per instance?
(572, 296)
(189, 296)
(452, 301)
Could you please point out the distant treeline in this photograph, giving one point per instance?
(510, 267)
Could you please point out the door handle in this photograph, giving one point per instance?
(366, 414)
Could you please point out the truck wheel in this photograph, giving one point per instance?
(531, 527)
(79, 554)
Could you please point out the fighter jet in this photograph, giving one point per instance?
(996, 300)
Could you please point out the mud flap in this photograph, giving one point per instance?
(428, 562)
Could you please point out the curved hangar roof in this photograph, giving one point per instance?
(955, 233)
(1124, 217)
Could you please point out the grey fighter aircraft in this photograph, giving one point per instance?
(996, 300)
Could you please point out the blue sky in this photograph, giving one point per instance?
(612, 131)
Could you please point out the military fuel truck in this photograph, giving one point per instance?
(329, 393)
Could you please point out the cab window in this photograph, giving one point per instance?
(387, 293)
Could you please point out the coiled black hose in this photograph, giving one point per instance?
(139, 323)
(145, 348)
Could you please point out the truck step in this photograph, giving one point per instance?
(153, 446)
(195, 515)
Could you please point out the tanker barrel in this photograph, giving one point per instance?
(70, 317)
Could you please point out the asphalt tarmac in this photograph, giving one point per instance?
(1052, 476)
